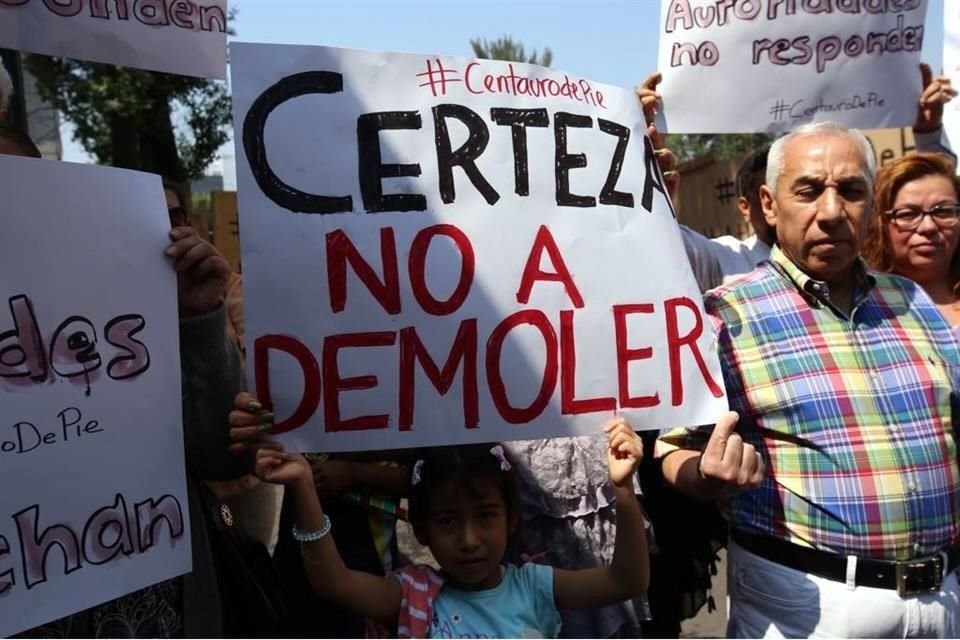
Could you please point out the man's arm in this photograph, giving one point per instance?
(209, 360)
(934, 142)
(726, 466)
(701, 252)
(210, 376)
(928, 129)
(702, 256)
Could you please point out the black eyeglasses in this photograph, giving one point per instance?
(945, 215)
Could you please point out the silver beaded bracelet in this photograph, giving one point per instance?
(312, 536)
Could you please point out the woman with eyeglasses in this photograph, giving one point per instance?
(917, 227)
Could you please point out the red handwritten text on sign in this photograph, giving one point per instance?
(323, 381)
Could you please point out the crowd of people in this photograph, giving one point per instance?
(833, 480)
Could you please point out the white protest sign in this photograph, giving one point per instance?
(94, 501)
(951, 68)
(442, 250)
(771, 65)
(173, 36)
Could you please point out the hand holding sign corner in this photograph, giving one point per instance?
(652, 102)
(936, 93)
(202, 272)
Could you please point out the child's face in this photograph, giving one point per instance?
(467, 531)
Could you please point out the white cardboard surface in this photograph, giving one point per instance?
(616, 255)
(173, 36)
(91, 443)
(951, 68)
(771, 65)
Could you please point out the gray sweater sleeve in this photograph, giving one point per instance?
(934, 142)
(211, 376)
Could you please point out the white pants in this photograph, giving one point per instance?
(769, 600)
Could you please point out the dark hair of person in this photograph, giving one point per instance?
(177, 189)
(19, 139)
(755, 163)
(469, 468)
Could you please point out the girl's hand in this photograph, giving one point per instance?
(279, 467)
(625, 451)
(250, 425)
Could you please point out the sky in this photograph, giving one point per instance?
(608, 41)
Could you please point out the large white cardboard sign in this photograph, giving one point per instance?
(442, 250)
(187, 37)
(771, 65)
(951, 67)
(94, 501)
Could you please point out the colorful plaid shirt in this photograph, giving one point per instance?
(853, 416)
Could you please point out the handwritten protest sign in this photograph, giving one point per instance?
(441, 250)
(951, 67)
(94, 499)
(770, 65)
(174, 36)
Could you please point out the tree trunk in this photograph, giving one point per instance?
(124, 147)
(158, 144)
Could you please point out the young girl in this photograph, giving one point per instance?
(357, 493)
(464, 508)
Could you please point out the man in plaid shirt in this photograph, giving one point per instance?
(838, 470)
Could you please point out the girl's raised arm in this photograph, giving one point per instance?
(368, 595)
(629, 574)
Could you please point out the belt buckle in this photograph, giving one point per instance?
(919, 576)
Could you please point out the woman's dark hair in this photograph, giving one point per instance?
(178, 190)
(20, 140)
(465, 467)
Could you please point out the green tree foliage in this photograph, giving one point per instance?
(161, 123)
(722, 147)
(504, 48)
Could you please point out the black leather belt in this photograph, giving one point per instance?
(908, 578)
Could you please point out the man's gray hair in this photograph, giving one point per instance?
(6, 88)
(775, 159)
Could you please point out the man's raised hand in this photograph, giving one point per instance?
(729, 463)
